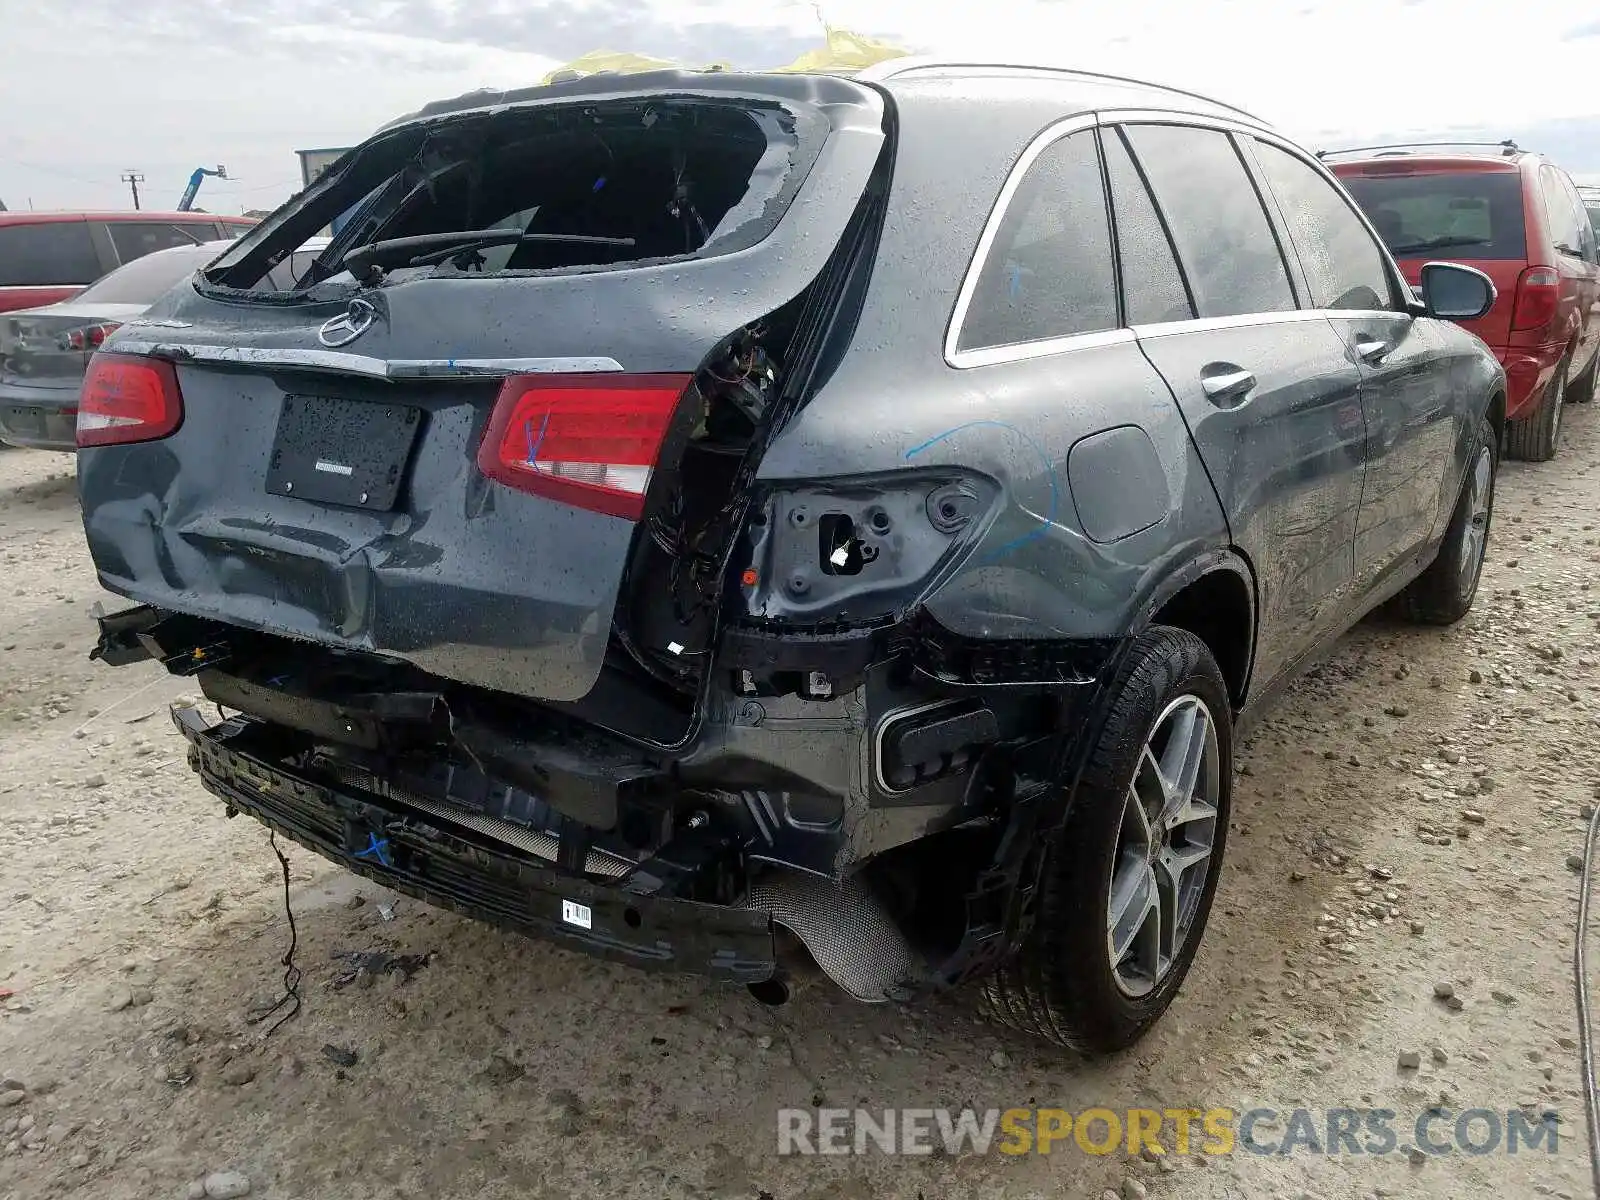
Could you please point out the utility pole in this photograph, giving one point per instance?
(133, 179)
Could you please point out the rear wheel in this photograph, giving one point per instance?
(1129, 883)
(1443, 593)
(1582, 389)
(1534, 438)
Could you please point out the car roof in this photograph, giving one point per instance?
(1073, 90)
(41, 218)
(1437, 156)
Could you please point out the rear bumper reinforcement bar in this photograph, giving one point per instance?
(426, 857)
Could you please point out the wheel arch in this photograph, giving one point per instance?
(1214, 598)
(1496, 412)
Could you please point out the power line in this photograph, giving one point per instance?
(229, 189)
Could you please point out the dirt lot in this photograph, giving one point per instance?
(139, 930)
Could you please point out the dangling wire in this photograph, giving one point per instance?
(291, 973)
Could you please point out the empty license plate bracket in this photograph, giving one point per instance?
(346, 452)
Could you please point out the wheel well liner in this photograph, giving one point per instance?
(1218, 607)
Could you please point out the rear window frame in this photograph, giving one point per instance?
(1507, 179)
(306, 214)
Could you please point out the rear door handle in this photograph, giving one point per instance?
(1225, 383)
(1372, 349)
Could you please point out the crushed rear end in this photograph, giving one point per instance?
(455, 539)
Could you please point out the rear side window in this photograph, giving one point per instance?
(1475, 214)
(1344, 266)
(48, 254)
(1224, 239)
(135, 239)
(1049, 272)
(1566, 232)
(1153, 289)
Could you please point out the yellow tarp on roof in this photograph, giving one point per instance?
(623, 64)
(846, 51)
(843, 51)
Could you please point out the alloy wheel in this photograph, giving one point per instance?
(1164, 846)
(1557, 391)
(1475, 534)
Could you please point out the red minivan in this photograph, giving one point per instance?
(48, 256)
(1517, 217)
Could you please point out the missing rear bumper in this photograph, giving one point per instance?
(454, 867)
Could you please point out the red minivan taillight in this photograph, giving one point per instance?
(587, 440)
(1538, 296)
(128, 399)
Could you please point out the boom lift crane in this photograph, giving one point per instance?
(189, 193)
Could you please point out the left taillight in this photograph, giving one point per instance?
(126, 399)
(587, 440)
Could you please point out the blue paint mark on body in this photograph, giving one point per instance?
(535, 442)
(1049, 468)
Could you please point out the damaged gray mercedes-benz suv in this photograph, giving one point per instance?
(707, 520)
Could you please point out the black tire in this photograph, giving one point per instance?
(1581, 389)
(1062, 985)
(1534, 438)
(1443, 593)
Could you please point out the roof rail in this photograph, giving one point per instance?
(1506, 148)
(915, 62)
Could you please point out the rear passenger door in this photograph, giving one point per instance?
(1420, 415)
(1270, 397)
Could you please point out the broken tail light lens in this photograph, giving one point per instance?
(127, 399)
(1538, 297)
(586, 440)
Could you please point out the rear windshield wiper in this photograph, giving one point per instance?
(427, 248)
(1438, 243)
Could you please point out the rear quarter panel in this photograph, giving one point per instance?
(894, 404)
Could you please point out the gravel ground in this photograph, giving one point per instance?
(1402, 825)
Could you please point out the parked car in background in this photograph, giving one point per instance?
(47, 256)
(1590, 195)
(44, 351)
(678, 512)
(1517, 217)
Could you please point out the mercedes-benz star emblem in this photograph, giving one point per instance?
(348, 325)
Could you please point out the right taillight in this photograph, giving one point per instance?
(87, 337)
(586, 440)
(1538, 294)
(126, 399)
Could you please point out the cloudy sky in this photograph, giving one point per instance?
(97, 87)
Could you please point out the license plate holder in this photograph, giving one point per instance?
(346, 452)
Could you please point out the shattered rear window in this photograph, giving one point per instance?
(629, 182)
